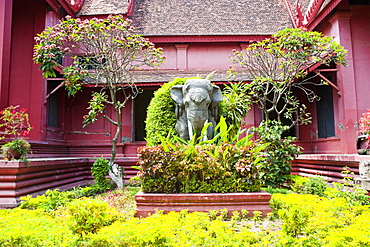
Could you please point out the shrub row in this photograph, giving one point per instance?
(303, 220)
(199, 168)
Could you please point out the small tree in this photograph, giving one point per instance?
(105, 53)
(280, 64)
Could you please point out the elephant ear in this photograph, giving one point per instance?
(216, 97)
(176, 94)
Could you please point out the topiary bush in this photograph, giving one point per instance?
(99, 171)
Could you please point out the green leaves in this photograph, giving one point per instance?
(282, 63)
(97, 105)
(279, 153)
(99, 171)
(235, 105)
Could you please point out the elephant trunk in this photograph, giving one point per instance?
(196, 121)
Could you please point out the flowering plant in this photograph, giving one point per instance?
(16, 126)
(364, 124)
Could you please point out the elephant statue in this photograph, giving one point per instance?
(196, 104)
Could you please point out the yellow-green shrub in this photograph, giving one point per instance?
(21, 227)
(89, 215)
(320, 221)
(173, 229)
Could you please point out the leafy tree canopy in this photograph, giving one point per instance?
(102, 52)
(280, 64)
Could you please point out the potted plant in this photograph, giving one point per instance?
(16, 126)
(362, 141)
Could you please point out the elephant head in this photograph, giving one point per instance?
(196, 105)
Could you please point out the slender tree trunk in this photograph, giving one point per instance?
(115, 172)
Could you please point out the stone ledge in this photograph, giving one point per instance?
(148, 203)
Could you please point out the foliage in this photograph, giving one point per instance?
(314, 185)
(50, 201)
(187, 167)
(276, 168)
(235, 105)
(16, 126)
(54, 199)
(104, 53)
(87, 216)
(310, 220)
(173, 229)
(16, 148)
(352, 193)
(33, 228)
(15, 122)
(161, 118)
(364, 123)
(305, 220)
(99, 171)
(279, 65)
(272, 190)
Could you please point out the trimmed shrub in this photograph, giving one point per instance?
(99, 171)
(89, 215)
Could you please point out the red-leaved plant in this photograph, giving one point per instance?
(364, 124)
(16, 126)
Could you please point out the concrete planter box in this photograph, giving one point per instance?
(253, 201)
(19, 179)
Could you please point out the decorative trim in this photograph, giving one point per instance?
(313, 10)
(130, 7)
(207, 38)
(324, 13)
(77, 4)
(55, 6)
(290, 11)
(340, 15)
(66, 6)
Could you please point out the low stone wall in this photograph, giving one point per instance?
(329, 166)
(18, 178)
(148, 203)
(35, 177)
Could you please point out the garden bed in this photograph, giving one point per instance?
(149, 203)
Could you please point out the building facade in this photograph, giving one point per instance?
(197, 38)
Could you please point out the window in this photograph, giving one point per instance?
(325, 112)
(359, 2)
(53, 103)
(141, 103)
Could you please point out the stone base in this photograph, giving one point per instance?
(148, 203)
(363, 182)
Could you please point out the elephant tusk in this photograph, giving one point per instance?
(190, 128)
(205, 137)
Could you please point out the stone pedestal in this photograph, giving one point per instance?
(364, 171)
(363, 182)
